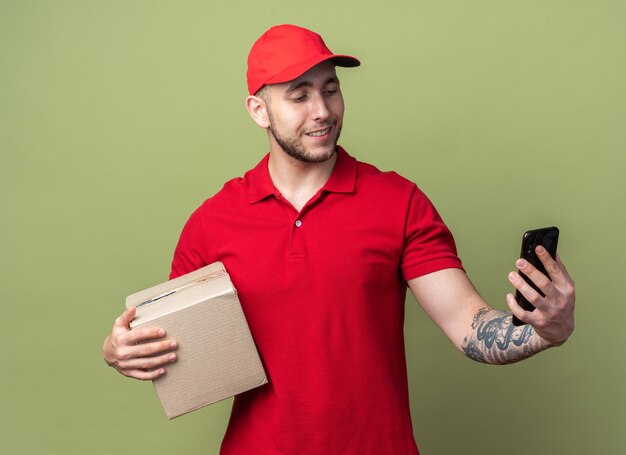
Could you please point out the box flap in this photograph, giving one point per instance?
(194, 293)
(170, 287)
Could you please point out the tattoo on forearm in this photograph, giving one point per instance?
(494, 339)
(477, 317)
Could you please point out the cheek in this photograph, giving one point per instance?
(288, 122)
(290, 128)
(338, 108)
(292, 125)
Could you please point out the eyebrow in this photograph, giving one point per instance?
(297, 85)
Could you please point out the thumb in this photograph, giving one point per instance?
(124, 320)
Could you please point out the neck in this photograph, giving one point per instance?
(296, 180)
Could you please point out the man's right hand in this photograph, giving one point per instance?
(140, 353)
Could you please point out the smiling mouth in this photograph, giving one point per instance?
(319, 133)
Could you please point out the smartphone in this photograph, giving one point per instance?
(548, 238)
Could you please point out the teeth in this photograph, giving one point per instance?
(319, 133)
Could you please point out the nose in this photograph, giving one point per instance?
(319, 108)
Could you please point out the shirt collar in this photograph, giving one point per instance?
(259, 182)
(342, 179)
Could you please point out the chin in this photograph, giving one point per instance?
(304, 151)
(319, 156)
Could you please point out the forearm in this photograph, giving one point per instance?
(494, 339)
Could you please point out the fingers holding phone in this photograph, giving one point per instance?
(544, 294)
(547, 239)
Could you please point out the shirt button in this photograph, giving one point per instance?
(298, 223)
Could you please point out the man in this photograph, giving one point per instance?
(321, 249)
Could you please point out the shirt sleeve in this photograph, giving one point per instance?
(429, 245)
(190, 252)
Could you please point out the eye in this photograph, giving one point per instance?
(298, 99)
(331, 91)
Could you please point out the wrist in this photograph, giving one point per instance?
(552, 340)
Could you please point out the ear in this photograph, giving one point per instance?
(258, 111)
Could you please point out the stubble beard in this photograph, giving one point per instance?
(295, 149)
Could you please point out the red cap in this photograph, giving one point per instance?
(285, 52)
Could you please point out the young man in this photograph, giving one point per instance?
(321, 248)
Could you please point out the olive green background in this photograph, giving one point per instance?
(118, 118)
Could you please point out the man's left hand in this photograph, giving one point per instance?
(553, 317)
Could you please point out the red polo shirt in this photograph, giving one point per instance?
(323, 291)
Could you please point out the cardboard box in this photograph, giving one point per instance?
(217, 357)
